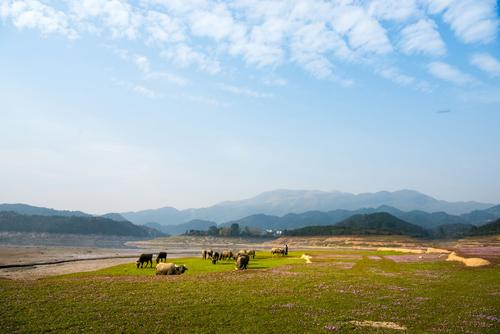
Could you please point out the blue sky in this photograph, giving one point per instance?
(123, 105)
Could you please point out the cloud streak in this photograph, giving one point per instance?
(449, 73)
(244, 91)
(318, 36)
(486, 63)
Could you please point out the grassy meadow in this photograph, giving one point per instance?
(337, 293)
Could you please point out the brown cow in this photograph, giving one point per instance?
(277, 250)
(226, 255)
(242, 262)
(251, 253)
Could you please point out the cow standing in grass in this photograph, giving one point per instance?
(210, 253)
(145, 258)
(161, 256)
(242, 261)
(226, 255)
(170, 269)
(277, 250)
(251, 253)
(215, 257)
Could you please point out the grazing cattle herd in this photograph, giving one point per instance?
(280, 251)
(241, 259)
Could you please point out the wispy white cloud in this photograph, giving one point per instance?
(274, 81)
(183, 55)
(34, 14)
(487, 63)
(309, 45)
(243, 91)
(210, 101)
(162, 28)
(422, 37)
(137, 89)
(397, 10)
(364, 33)
(471, 20)
(140, 61)
(172, 78)
(449, 73)
(395, 75)
(118, 16)
(318, 36)
(141, 90)
(144, 65)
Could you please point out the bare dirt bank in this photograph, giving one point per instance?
(33, 262)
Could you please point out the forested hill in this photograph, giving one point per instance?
(492, 228)
(380, 223)
(15, 222)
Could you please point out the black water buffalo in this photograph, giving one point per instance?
(161, 256)
(242, 261)
(215, 257)
(210, 253)
(145, 258)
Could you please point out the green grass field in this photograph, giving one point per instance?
(276, 295)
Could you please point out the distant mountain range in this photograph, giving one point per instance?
(16, 222)
(292, 209)
(380, 223)
(40, 211)
(282, 202)
(319, 218)
(26, 209)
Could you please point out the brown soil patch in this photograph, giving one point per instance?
(416, 257)
(283, 270)
(341, 265)
(36, 272)
(378, 324)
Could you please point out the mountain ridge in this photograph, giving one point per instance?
(81, 225)
(379, 223)
(283, 201)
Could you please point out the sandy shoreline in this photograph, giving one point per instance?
(82, 259)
